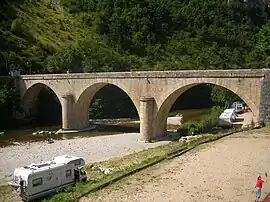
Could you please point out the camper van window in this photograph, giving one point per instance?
(68, 173)
(37, 182)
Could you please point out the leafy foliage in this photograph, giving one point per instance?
(223, 96)
(263, 38)
(9, 102)
(206, 124)
(111, 102)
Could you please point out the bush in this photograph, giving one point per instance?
(9, 103)
(206, 124)
(17, 26)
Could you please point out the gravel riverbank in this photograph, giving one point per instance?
(92, 149)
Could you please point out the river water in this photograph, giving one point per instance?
(100, 127)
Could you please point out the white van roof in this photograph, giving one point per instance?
(229, 110)
(225, 115)
(65, 159)
(45, 165)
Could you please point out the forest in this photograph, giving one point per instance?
(54, 36)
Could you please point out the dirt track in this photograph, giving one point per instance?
(221, 171)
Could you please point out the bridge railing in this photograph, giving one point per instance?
(235, 73)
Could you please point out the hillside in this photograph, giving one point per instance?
(32, 33)
(88, 36)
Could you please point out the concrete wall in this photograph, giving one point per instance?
(163, 87)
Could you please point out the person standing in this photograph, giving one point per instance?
(258, 186)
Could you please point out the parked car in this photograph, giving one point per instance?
(238, 107)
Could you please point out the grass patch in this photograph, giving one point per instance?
(206, 124)
(7, 195)
(5, 189)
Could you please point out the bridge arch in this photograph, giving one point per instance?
(171, 96)
(29, 98)
(87, 95)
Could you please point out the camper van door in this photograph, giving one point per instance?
(68, 174)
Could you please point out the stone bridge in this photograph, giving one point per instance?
(153, 93)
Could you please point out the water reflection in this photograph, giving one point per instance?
(26, 135)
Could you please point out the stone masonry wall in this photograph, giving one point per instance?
(265, 99)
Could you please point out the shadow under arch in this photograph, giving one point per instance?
(164, 109)
(30, 100)
(86, 97)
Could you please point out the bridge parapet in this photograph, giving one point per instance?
(244, 73)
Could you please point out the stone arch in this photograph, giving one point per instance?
(85, 98)
(170, 98)
(29, 98)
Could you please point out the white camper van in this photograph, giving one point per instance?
(225, 120)
(39, 180)
(231, 112)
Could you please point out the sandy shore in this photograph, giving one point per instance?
(225, 170)
(92, 149)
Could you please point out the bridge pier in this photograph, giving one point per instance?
(67, 112)
(146, 118)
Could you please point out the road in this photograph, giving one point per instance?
(225, 170)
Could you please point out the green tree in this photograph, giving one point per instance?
(223, 96)
(263, 38)
(9, 103)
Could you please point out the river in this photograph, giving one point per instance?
(100, 128)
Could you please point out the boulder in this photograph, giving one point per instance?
(50, 141)
(108, 171)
